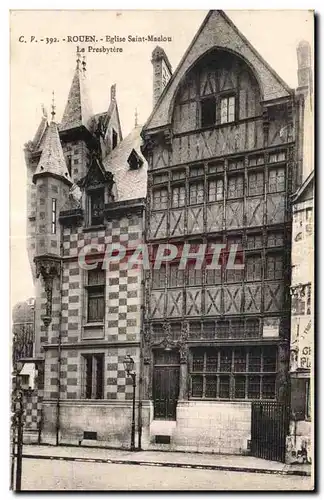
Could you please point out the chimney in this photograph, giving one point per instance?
(305, 116)
(162, 72)
(304, 71)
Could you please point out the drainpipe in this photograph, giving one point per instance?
(141, 367)
(59, 348)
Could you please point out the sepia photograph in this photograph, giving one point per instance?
(162, 250)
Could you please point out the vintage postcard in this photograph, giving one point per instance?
(162, 235)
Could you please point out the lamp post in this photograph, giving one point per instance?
(17, 428)
(129, 369)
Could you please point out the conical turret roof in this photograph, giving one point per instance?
(52, 159)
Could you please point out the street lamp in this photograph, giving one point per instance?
(17, 426)
(129, 369)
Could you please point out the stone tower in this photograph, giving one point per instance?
(52, 181)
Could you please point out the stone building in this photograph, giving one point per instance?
(87, 186)
(300, 438)
(224, 157)
(217, 162)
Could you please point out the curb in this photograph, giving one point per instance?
(172, 464)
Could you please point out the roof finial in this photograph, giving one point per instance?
(78, 60)
(136, 118)
(44, 111)
(84, 63)
(53, 106)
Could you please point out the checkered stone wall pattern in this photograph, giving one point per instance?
(123, 296)
(32, 404)
(119, 385)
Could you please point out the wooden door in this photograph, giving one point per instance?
(166, 384)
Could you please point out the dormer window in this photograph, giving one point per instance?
(96, 206)
(114, 138)
(134, 161)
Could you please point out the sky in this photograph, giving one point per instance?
(37, 69)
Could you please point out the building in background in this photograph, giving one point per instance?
(300, 439)
(23, 339)
(302, 324)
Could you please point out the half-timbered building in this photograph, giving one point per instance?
(221, 145)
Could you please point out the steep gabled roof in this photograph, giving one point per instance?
(217, 31)
(130, 184)
(52, 159)
(78, 109)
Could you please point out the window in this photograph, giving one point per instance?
(215, 166)
(277, 157)
(274, 267)
(196, 193)
(276, 180)
(235, 186)
(176, 276)
(114, 138)
(253, 267)
(227, 109)
(256, 183)
(234, 275)
(252, 328)
(214, 276)
(93, 376)
(215, 190)
(254, 241)
(195, 330)
(134, 160)
(196, 170)
(96, 295)
(53, 216)
(158, 278)
(236, 164)
(178, 196)
(256, 160)
(233, 373)
(160, 178)
(69, 163)
(97, 204)
(275, 239)
(160, 199)
(194, 275)
(208, 112)
(178, 174)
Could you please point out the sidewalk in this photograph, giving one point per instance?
(238, 463)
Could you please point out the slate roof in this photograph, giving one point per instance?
(78, 109)
(217, 31)
(52, 158)
(129, 184)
